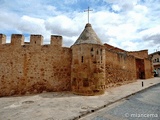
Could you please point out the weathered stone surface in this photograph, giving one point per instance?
(34, 68)
(87, 68)
(88, 36)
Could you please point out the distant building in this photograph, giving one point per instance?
(155, 57)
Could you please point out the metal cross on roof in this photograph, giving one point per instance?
(88, 13)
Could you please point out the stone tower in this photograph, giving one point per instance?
(88, 64)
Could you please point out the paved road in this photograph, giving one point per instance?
(141, 106)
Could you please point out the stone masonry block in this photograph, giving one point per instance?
(17, 39)
(56, 40)
(2, 39)
(36, 39)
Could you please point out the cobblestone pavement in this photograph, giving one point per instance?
(141, 106)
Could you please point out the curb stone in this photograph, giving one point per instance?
(110, 103)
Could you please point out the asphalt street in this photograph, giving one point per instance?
(141, 106)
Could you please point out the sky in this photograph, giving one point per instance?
(128, 24)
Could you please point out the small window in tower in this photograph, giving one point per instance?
(101, 59)
(97, 52)
(92, 54)
(157, 59)
(82, 59)
(101, 52)
(35, 42)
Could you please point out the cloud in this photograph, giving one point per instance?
(155, 38)
(31, 25)
(69, 40)
(116, 8)
(130, 25)
(61, 25)
(151, 34)
(124, 5)
(8, 20)
(70, 1)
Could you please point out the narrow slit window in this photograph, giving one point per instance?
(101, 59)
(101, 52)
(82, 59)
(92, 52)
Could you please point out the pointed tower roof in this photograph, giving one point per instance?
(88, 36)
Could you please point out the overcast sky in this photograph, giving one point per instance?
(128, 24)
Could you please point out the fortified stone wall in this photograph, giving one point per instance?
(88, 69)
(120, 68)
(139, 54)
(146, 64)
(148, 68)
(112, 48)
(34, 67)
(85, 69)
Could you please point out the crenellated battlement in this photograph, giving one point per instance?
(2, 39)
(56, 40)
(32, 67)
(17, 39)
(86, 68)
(35, 40)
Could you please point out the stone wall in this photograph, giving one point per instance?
(120, 68)
(148, 68)
(112, 48)
(88, 69)
(139, 54)
(142, 63)
(33, 68)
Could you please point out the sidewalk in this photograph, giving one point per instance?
(65, 105)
